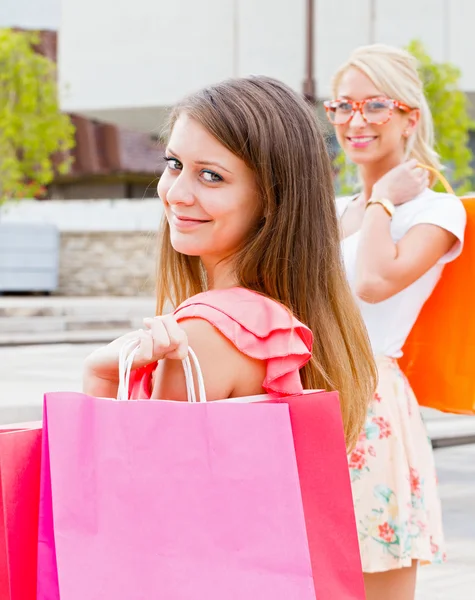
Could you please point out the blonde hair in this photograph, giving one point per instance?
(394, 72)
(293, 255)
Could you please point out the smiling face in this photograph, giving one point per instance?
(210, 196)
(366, 143)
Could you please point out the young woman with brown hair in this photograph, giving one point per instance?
(250, 240)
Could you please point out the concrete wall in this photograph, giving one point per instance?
(108, 247)
(152, 52)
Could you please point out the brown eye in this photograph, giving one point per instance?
(173, 164)
(211, 177)
(377, 105)
(343, 107)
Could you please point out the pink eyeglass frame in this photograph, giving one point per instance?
(358, 107)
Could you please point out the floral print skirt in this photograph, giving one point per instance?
(398, 513)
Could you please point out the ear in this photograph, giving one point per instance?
(412, 121)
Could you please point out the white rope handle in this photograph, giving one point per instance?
(126, 358)
(190, 387)
(199, 375)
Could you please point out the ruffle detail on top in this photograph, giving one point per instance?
(258, 326)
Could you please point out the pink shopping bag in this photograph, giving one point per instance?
(20, 449)
(173, 500)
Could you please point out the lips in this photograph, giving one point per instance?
(361, 141)
(184, 219)
(187, 224)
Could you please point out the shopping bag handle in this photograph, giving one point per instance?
(449, 189)
(126, 358)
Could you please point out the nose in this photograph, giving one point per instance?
(357, 119)
(180, 191)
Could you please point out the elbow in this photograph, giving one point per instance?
(372, 290)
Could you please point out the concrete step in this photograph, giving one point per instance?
(47, 320)
(66, 323)
(84, 336)
(451, 431)
(58, 306)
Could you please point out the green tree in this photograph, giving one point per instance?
(32, 127)
(452, 123)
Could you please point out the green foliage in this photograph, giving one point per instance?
(347, 175)
(449, 107)
(32, 128)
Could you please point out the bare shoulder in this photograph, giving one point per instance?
(227, 371)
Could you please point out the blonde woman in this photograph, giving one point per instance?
(397, 234)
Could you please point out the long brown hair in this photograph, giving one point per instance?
(293, 256)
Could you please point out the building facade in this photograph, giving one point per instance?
(128, 62)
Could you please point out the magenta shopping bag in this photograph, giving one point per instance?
(20, 455)
(150, 499)
(47, 580)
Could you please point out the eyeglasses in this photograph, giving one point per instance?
(376, 111)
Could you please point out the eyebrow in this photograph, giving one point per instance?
(367, 97)
(203, 162)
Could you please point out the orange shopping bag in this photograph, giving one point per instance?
(439, 354)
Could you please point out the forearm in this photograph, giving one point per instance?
(377, 254)
(97, 385)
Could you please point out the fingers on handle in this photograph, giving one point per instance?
(178, 338)
(169, 339)
(144, 354)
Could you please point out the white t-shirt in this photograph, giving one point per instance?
(390, 322)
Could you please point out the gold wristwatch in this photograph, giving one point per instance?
(385, 203)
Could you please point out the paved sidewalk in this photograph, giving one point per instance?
(454, 580)
(27, 372)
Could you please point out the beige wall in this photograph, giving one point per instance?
(105, 263)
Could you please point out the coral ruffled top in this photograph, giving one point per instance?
(259, 327)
